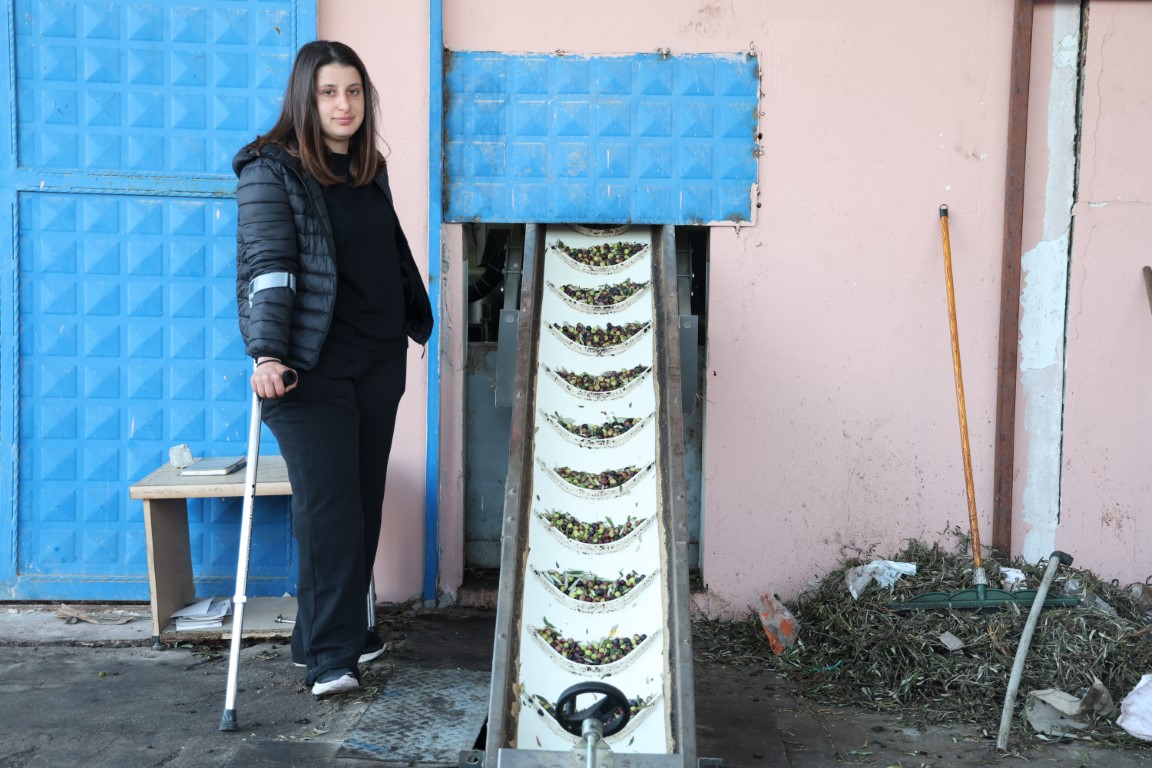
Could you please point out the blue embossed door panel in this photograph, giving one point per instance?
(643, 138)
(119, 293)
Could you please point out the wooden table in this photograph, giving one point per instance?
(165, 494)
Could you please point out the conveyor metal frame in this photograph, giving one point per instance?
(678, 690)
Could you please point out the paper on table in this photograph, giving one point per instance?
(219, 465)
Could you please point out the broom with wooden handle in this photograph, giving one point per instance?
(981, 598)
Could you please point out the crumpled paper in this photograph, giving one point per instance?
(1053, 712)
(883, 572)
(1136, 710)
(1061, 714)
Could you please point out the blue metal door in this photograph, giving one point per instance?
(117, 305)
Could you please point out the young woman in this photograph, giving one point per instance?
(327, 287)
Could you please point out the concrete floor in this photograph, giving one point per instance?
(97, 695)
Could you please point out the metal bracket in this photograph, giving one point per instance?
(513, 266)
(689, 331)
(689, 361)
(508, 330)
(507, 346)
(471, 758)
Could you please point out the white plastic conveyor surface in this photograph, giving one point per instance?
(594, 583)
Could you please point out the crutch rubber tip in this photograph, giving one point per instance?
(228, 720)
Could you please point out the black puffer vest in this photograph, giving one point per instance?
(283, 232)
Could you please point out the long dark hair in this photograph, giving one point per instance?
(298, 129)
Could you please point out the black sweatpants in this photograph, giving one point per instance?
(335, 433)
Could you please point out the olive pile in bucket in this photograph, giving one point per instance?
(597, 481)
(603, 255)
(599, 337)
(604, 651)
(590, 588)
(614, 427)
(604, 295)
(604, 382)
(590, 533)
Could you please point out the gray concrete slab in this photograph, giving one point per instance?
(58, 624)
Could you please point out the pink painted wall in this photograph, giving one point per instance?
(393, 42)
(831, 419)
(1107, 490)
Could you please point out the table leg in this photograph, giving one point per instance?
(169, 559)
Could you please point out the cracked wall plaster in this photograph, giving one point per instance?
(1043, 299)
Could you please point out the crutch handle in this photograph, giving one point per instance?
(290, 377)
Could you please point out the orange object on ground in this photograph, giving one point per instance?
(778, 622)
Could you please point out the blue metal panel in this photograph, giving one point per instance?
(9, 401)
(642, 138)
(122, 299)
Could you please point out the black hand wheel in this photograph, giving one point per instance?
(613, 710)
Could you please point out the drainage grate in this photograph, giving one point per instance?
(422, 717)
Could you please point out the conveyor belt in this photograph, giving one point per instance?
(597, 445)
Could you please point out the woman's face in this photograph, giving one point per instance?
(339, 104)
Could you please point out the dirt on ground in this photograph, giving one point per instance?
(126, 705)
(816, 735)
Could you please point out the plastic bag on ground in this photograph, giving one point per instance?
(779, 624)
(883, 572)
(1136, 710)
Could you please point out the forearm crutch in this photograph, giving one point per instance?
(228, 720)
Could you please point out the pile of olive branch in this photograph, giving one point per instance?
(862, 652)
